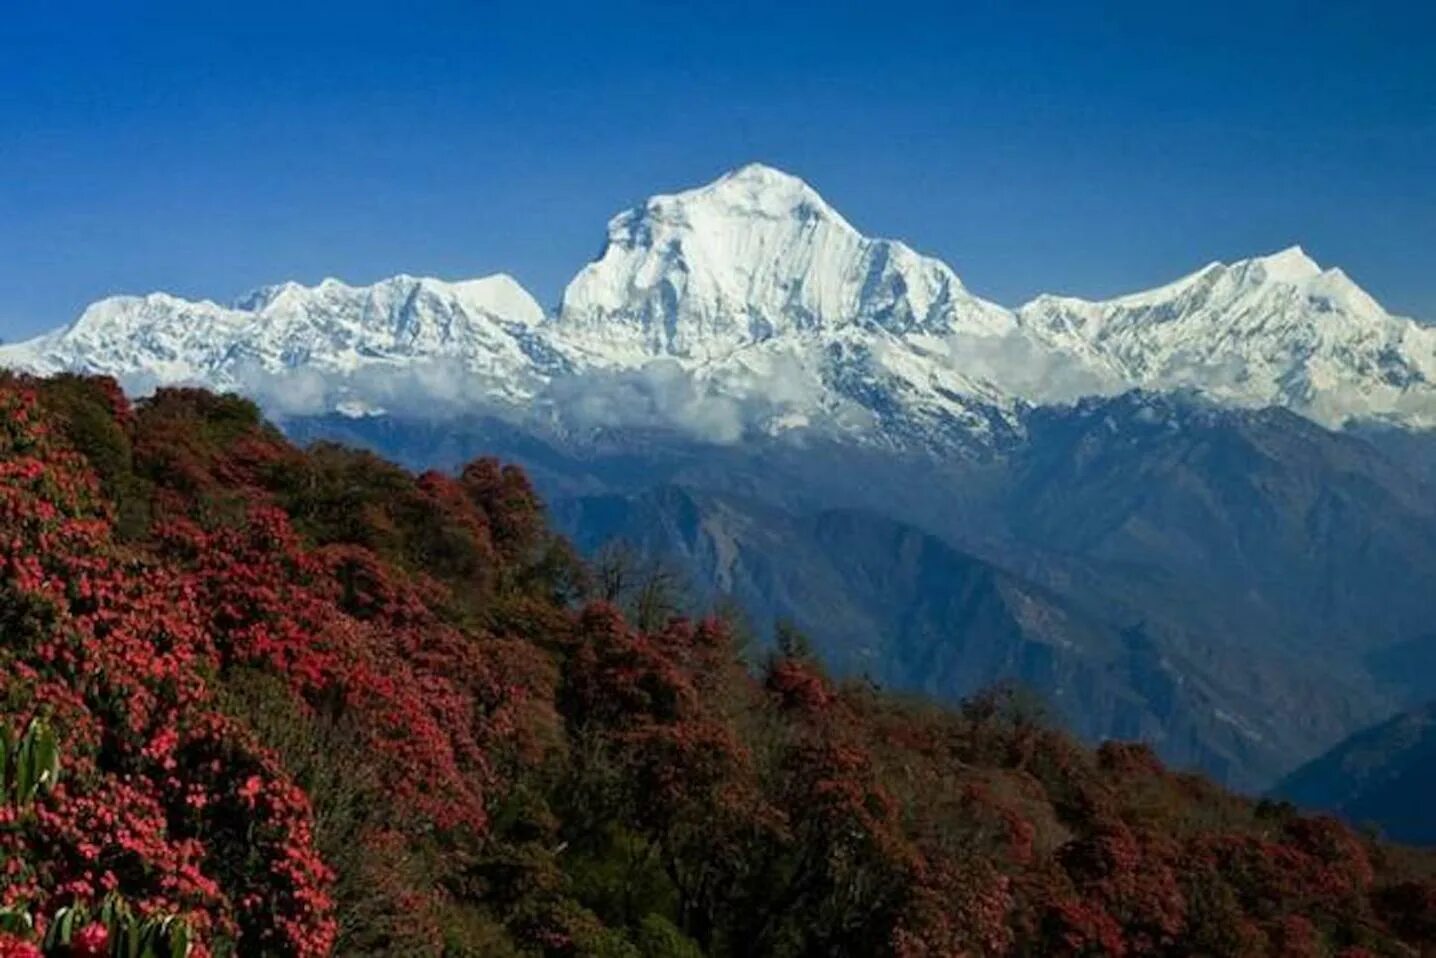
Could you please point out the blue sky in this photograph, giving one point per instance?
(209, 148)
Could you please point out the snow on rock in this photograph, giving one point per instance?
(750, 304)
(754, 256)
(758, 288)
(324, 342)
(1276, 330)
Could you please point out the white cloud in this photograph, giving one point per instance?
(661, 395)
(1020, 366)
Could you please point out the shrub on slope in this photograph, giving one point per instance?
(318, 705)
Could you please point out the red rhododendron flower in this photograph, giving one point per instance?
(12, 947)
(92, 941)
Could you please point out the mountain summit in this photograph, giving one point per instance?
(754, 256)
(765, 309)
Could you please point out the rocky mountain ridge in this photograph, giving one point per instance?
(750, 305)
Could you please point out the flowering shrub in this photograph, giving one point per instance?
(105, 640)
(257, 700)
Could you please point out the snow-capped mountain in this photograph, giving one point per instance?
(755, 256)
(1272, 331)
(759, 289)
(751, 304)
(330, 334)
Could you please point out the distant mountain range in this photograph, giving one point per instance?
(751, 306)
(1200, 515)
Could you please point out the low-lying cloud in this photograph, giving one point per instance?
(1020, 366)
(661, 395)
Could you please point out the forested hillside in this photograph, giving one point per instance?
(259, 700)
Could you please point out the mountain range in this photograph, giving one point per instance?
(751, 306)
(1199, 515)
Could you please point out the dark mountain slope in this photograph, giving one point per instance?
(889, 601)
(1385, 776)
(1256, 525)
(1260, 517)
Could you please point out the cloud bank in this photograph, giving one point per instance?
(661, 395)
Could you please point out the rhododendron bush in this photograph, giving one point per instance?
(107, 642)
(259, 700)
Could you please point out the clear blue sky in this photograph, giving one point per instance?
(206, 148)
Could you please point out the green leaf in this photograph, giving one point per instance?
(7, 758)
(126, 934)
(47, 757)
(25, 768)
(62, 926)
(114, 913)
(37, 761)
(179, 940)
(16, 922)
(152, 938)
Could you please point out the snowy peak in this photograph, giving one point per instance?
(1290, 265)
(1271, 330)
(1322, 288)
(1287, 275)
(396, 299)
(754, 256)
(751, 191)
(257, 299)
(330, 329)
(500, 295)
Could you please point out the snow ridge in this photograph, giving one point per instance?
(750, 304)
(1276, 330)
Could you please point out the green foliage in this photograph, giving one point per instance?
(91, 415)
(128, 936)
(17, 922)
(607, 943)
(85, 413)
(29, 764)
(792, 643)
(213, 421)
(617, 873)
(29, 768)
(657, 937)
(318, 748)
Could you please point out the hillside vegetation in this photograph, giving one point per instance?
(307, 703)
